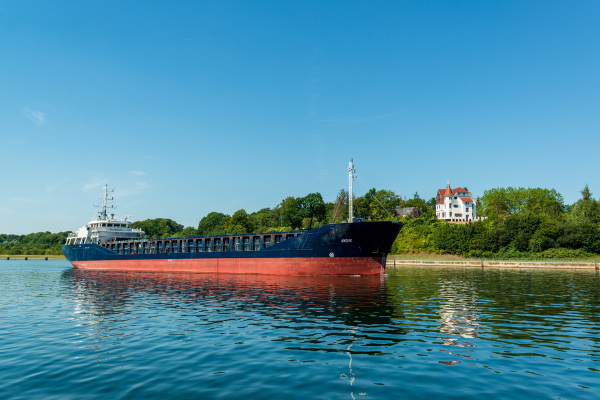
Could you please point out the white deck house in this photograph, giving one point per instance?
(455, 205)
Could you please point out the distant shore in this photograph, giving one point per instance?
(31, 257)
(397, 261)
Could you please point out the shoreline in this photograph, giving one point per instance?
(395, 262)
(490, 263)
(31, 257)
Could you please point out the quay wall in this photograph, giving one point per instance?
(484, 263)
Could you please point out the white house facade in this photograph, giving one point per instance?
(455, 205)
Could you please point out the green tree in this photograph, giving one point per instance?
(432, 203)
(40, 243)
(586, 209)
(158, 227)
(339, 209)
(361, 206)
(240, 220)
(187, 232)
(383, 203)
(544, 202)
(236, 229)
(264, 219)
(310, 208)
(494, 203)
(499, 202)
(313, 208)
(213, 224)
(291, 212)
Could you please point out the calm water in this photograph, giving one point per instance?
(420, 333)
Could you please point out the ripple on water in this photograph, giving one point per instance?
(420, 333)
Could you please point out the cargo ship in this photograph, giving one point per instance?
(355, 247)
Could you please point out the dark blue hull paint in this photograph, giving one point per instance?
(363, 239)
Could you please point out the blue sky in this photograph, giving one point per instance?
(189, 107)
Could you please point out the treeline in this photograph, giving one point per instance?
(305, 212)
(517, 223)
(41, 243)
(291, 213)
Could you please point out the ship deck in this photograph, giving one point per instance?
(201, 244)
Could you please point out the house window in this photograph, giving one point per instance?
(467, 209)
(450, 213)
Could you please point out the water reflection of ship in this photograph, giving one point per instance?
(351, 300)
(458, 312)
(340, 314)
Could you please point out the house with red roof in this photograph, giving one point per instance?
(455, 205)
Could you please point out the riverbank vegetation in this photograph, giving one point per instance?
(292, 213)
(515, 223)
(41, 243)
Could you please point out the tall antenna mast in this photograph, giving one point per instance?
(350, 179)
(103, 216)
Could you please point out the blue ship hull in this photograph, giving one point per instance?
(338, 249)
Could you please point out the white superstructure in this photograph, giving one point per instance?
(105, 227)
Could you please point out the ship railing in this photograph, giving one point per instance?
(142, 249)
(191, 245)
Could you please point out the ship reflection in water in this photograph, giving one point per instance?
(304, 317)
(318, 302)
(419, 333)
(109, 292)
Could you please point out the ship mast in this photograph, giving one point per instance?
(102, 215)
(350, 179)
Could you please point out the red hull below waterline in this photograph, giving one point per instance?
(258, 266)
